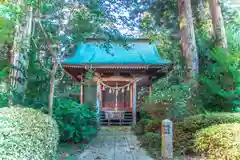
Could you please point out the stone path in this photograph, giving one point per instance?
(114, 143)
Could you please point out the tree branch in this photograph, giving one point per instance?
(49, 43)
(39, 59)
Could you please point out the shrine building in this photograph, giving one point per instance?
(121, 76)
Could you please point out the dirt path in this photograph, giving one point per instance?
(114, 143)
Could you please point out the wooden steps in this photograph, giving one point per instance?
(128, 118)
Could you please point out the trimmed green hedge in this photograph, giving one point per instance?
(219, 141)
(184, 131)
(26, 133)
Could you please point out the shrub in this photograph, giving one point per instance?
(139, 128)
(219, 141)
(153, 126)
(3, 99)
(151, 140)
(76, 122)
(144, 121)
(27, 134)
(185, 130)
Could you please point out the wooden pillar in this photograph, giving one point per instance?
(81, 94)
(81, 89)
(98, 102)
(101, 96)
(134, 96)
(98, 98)
(131, 96)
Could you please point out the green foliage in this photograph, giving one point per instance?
(27, 134)
(3, 90)
(184, 131)
(76, 122)
(139, 128)
(165, 13)
(10, 12)
(170, 99)
(3, 99)
(219, 141)
(6, 22)
(151, 140)
(153, 126)
(4, 73)
(222, 77)
(169, 95)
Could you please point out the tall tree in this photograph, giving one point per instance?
(19, 54)
(189, 47)
(218, 23)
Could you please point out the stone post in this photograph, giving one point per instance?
(167, 139)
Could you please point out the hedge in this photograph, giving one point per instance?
(219, 141)
(26, 133)
(184, 131)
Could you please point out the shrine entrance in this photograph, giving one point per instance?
(117, 77)
(116, 98)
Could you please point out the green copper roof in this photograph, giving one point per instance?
(94, 53)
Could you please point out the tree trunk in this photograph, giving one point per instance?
(19, 57)
(52, 88)
(188, 38)
(218, 23)
(189, 48)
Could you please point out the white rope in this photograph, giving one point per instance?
(118, 88)
(115, 88)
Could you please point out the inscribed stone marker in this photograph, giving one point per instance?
(167, 142)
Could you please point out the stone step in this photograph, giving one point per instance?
(128, 118)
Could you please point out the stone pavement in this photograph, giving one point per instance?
(114, 143)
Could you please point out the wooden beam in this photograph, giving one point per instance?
(110, 66)
(114, 78)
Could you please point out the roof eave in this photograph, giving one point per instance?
(118, 66)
